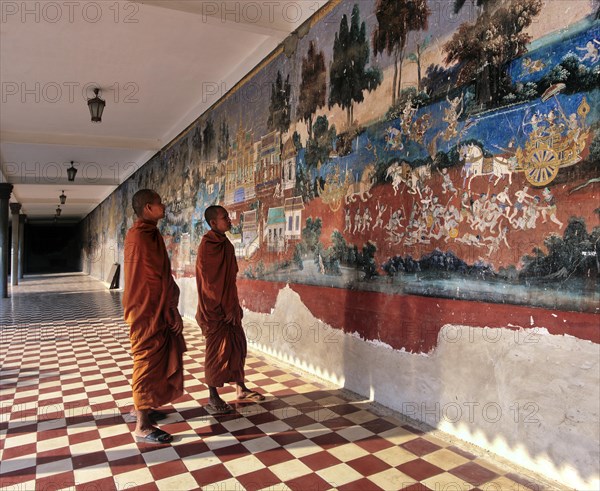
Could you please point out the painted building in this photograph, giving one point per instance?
(293, 217)
(275, 229)
(288, 171)
(239, 180)
(268, 164)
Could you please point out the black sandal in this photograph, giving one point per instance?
(157, 436)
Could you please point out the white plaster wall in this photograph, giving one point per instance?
(526, 395)
(188, 297)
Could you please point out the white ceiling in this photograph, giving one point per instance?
(159, 64)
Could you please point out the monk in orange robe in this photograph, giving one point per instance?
(219, 314)
(150, 303)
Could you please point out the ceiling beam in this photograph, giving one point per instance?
(54, 201)
(71, 140)
(36, 178)
(49, 220)
(264, 18)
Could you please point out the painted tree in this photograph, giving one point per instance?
(297, 142)
(483, 48)
(339, 247)
(396, 19)
(438, 80)
(208, 138)
(312, 233)
(484, 4)
(298, 257)
(223, 144)
(569, 256)
(313, 86)
(369, 266)
(348, 75)
(415, 57)
(279, 108)
(320, 144)
(303, 187)
(197, 140)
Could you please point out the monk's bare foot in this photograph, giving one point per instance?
(144, 425)
(146, 432)
(153, 414)
(216, 405)
(142, 432)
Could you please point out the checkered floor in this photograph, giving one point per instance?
(65, 371)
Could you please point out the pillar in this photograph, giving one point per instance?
(5, 190)
(15, 209)
(22, 219)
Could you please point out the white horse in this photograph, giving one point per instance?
(475, 164)
(361, 189)
(402, 173)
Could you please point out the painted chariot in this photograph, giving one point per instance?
(553, 146)
(334, 189)
(337, 190)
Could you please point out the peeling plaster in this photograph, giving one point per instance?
(508, 391)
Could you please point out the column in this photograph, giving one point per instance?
(22, 219)
(5, 190)
(15, 209)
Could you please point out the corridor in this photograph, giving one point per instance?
(65, 393)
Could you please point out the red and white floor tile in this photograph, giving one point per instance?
(65, 396)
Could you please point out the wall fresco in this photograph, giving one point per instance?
(439, 149)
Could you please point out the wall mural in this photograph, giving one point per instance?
(444, 149)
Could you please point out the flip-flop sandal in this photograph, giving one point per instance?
(251, 395)
(157, 436)
(224, 409)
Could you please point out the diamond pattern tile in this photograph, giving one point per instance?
(65, 371)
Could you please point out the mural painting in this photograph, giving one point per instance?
(395, 151)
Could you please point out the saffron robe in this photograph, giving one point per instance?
(150, 303)
(226, 348)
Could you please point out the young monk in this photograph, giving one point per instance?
(150, 303)
(219, 314)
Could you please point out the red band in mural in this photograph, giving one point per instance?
(413, 322)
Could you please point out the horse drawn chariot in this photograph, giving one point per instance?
(553, 144)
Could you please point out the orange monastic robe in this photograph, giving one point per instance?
(150, 303)
(216, 271)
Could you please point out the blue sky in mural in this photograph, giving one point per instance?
(205, 198)
(539, 61)
(495, 128)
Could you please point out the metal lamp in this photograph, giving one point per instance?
(71, 171)
(58, 211)
(63, 198)
(96, 106)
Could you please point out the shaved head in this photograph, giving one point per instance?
(212, 213)
(141, 199)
